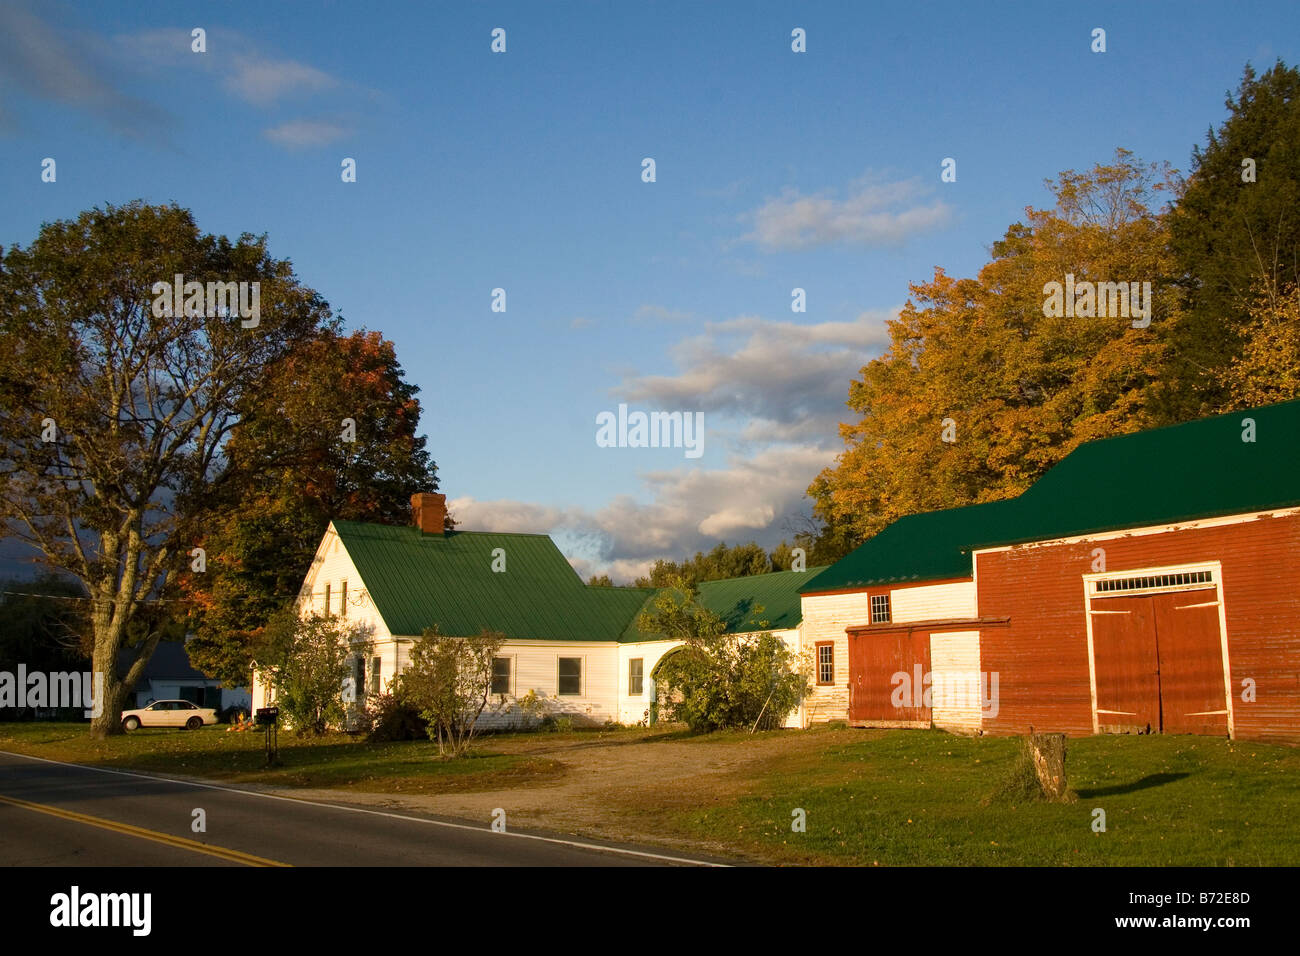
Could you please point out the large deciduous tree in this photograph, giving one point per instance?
(981, 390)
(115, 418)
(293, 433)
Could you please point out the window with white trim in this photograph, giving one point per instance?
(1145, 582)
(570, 677)
(880, 609)
(500, 675)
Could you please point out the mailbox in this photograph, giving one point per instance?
(267, 715)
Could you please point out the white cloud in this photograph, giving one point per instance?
(773, 394)
(52, 63)
(254, 76)
(298, 134)
(688, 510)
(785, 380)
(873, 213)
(262, 80)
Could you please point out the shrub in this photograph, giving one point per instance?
(449, 681)
(718, 680)
(392, 717)
(311, 658)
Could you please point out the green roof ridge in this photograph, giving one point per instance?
(1182, 472)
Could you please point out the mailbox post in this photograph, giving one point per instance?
(269, 719)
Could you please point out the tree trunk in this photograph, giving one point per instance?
(109, 720)
(1047, 752)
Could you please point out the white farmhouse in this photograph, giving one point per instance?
(574, 645)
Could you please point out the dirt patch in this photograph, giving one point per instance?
(620, 786)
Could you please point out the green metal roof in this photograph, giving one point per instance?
(417, 580)
(744, 603)
(1199, 469)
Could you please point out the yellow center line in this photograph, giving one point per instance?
(235, 856)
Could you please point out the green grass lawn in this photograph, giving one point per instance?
(919, 798)
(871, 797)
(334, 761)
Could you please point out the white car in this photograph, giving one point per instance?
(169, 713)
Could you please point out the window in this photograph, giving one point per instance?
(880, 609)
(343, 598)
(359, 676)
(825, 663)
(570, 676)
(1176, 580)
(376, 671)
(635, 669)
(500, 675)
(327, 600)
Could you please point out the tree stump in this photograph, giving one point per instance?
(1047, 754)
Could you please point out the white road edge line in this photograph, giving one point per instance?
(377, 813)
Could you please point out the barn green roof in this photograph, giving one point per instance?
(1199, 469)
(418, 579)
(745, 603)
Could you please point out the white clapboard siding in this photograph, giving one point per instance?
(333, 566)
(825, 617)
(634, 709)
(933, 602)
(955, 681)
(535, 666)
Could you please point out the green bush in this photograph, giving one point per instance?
(728, 681)
(391, 717)
(717, 680)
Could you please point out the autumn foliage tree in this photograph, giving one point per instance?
(114, 415)
(979, 363)
(332, 433)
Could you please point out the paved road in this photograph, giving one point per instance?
(56, 814)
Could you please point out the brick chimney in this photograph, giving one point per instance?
(428, 512)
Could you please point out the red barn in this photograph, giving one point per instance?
(1147, 583)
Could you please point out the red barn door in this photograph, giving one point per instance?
(1192, 693)
(1158, 661)
(1126, 665)
(876, 689)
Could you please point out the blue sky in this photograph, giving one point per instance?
(522, 170)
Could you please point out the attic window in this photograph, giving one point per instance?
(1148, 582)
(880, 609)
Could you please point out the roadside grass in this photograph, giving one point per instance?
(908, 797)
(333, 761)
(871, 797)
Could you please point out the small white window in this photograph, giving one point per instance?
(880, 609)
